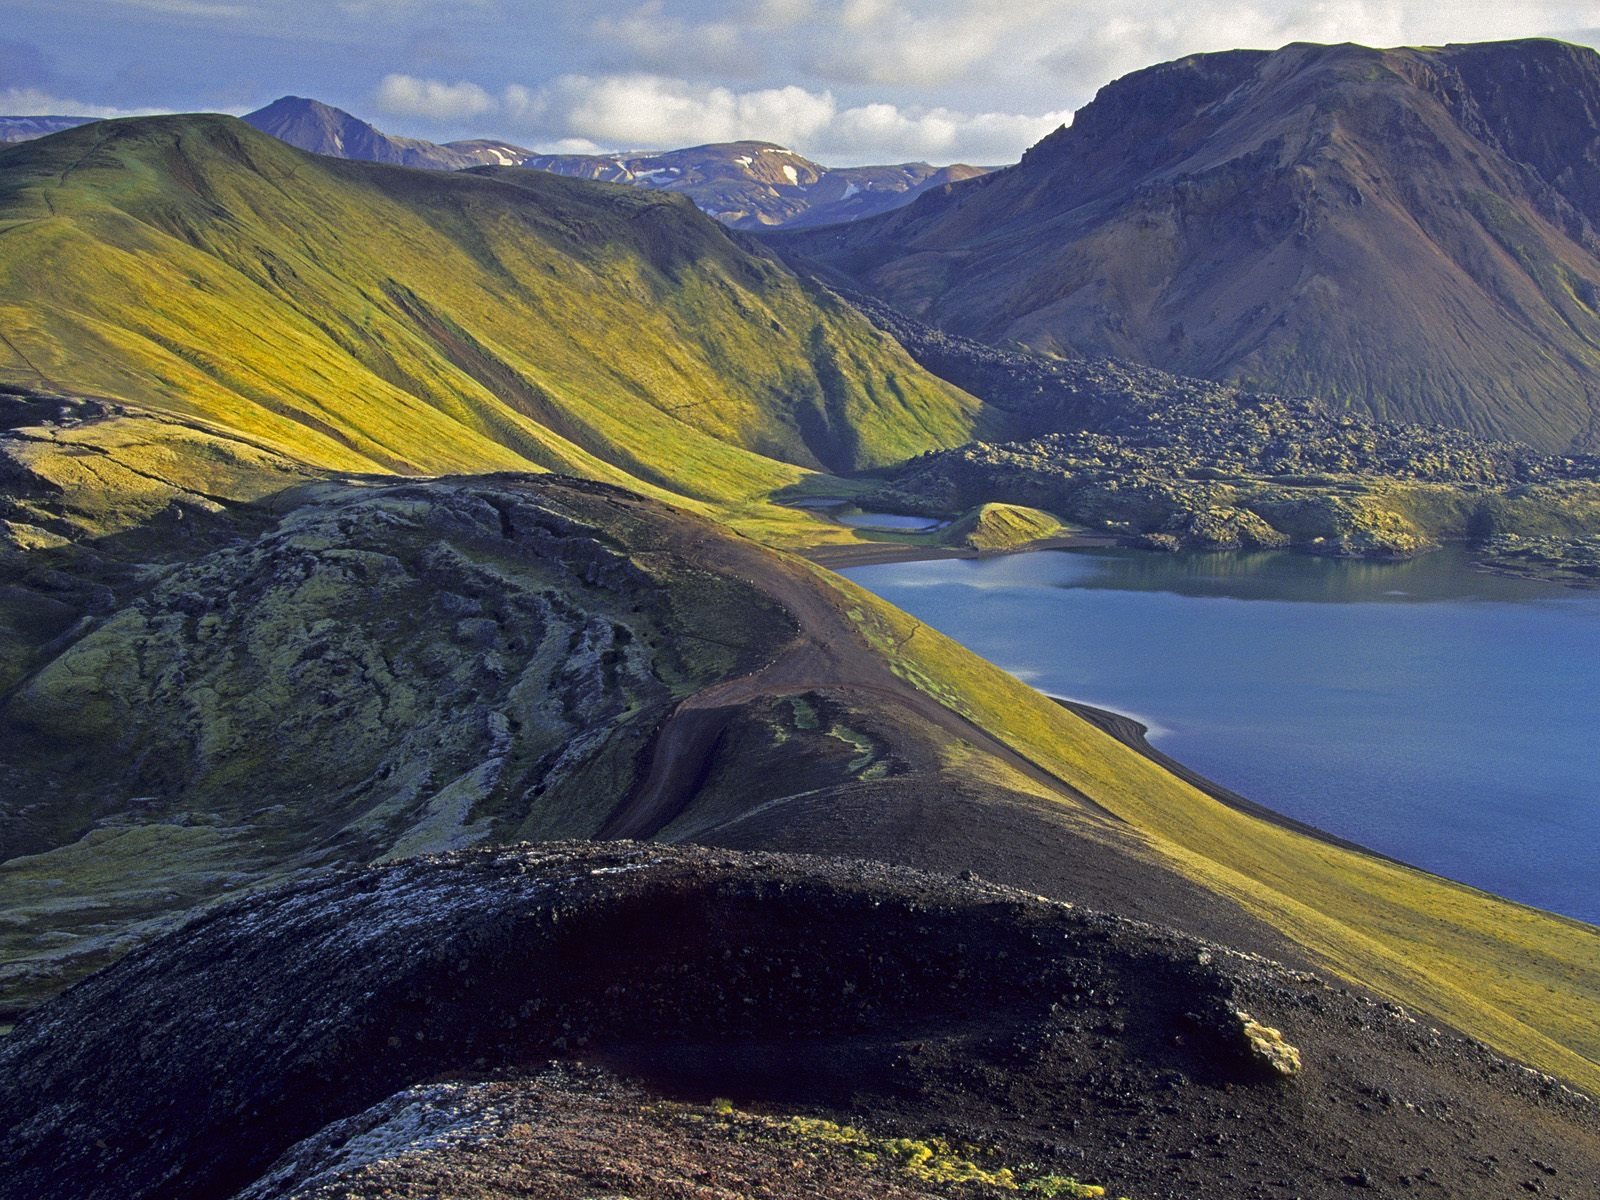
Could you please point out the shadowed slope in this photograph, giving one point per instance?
(1411, 232)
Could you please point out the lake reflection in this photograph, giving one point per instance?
(1444, 716)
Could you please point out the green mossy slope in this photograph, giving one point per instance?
(360, 317)
(1521, 980)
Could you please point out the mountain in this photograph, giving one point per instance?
(1408, 232)
(748, 185)
(350, 512)
(357, 316)
(23, 129)
(323, 129)
(754, 185)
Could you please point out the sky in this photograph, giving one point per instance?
(842, 81)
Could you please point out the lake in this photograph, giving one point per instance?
(891, 521)
(1438, 714)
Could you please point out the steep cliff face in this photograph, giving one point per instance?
(1411, 232)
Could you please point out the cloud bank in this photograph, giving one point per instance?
(644, 111)
(32, 102)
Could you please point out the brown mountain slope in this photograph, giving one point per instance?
(1407, 231)
(323, 129)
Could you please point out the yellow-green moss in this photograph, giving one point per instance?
(929, 1160)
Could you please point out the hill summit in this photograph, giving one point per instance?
(322, 129)
(1411, 231)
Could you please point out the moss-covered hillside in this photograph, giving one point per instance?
(239, 647)
(363, 317)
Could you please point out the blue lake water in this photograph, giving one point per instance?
(1440, 715)
(894, 521)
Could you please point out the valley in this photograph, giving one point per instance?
(438, 757)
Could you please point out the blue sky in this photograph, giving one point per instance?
(845, 81)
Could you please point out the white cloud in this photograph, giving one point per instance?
(887, 42)
(639, 111)
(655, 110)
(573, 146)
(578, 113)
(651, 38)
(849, 81)
(988, 56)
(409, 96)
(1097, 51)
(31, 102)
(522, 106)
(938, 135)
(434, 9)
(188, 8)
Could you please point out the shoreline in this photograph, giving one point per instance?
(845, 555)
(1129, 730)
(1132, 733)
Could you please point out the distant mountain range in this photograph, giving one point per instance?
(747, 185)
(1413, 232)
(758, 184)
(25, 129)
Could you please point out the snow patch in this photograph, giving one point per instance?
(791, 174)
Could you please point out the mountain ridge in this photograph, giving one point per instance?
(323, 129)
(856, 993)
(744, 184)
(448, 321)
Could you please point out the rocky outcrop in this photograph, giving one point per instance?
(1080, 1044)
(436, 663)
(1186, 463)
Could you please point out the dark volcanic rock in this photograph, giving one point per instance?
(1189, 462)
(1057, 1036)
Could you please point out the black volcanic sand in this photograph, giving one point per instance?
(909, 1004)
